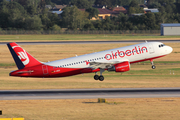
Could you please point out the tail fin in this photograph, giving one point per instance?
(21, 57)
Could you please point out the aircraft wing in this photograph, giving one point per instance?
(105, 65)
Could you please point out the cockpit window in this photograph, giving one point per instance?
(161, 45)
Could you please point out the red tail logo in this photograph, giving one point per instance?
(21, 53)
(24, 57)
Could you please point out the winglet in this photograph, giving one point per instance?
(21, 57)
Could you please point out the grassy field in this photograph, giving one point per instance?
(93, 37)
(166, 74)
(141, 75)
(89, 109)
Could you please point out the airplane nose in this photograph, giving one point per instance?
(169, 49)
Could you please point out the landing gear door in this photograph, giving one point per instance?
(151, 48)
(45, 69)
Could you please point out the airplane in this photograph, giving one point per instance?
(118, 60)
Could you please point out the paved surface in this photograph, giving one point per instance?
(90, 42)
(89, 93)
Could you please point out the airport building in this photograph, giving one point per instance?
(170, 29)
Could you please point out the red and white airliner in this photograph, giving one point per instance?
(118, 60)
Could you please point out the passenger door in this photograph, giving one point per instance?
(45, 69)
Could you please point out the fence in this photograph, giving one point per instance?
(45, 32)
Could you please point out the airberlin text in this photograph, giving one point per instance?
(135, 50)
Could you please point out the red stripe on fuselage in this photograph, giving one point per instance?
(50, 71)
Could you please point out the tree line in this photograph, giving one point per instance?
(32, 15)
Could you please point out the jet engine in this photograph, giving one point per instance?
(120, 67)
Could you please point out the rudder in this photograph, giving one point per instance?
(21, 57)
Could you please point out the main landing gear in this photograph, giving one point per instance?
(153, 66)
(101, 77)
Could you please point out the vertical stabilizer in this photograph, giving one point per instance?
(21, 57)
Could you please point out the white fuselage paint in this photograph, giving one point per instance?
(150, 50)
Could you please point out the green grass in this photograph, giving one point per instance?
(11, 38)
(139, 76)
(7, 64)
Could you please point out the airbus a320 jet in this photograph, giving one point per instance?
(118, 60)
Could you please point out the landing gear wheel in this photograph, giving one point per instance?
(153, 66)
(101, 78)
(96, 77)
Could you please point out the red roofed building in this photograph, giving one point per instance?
(119, 9)
(103, 13)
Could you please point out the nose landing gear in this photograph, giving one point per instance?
(153, 66)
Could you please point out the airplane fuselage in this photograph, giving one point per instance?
(83, 64)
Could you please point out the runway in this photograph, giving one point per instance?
(91, 42)
(89, 93)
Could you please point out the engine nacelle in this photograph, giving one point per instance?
(121, 67)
